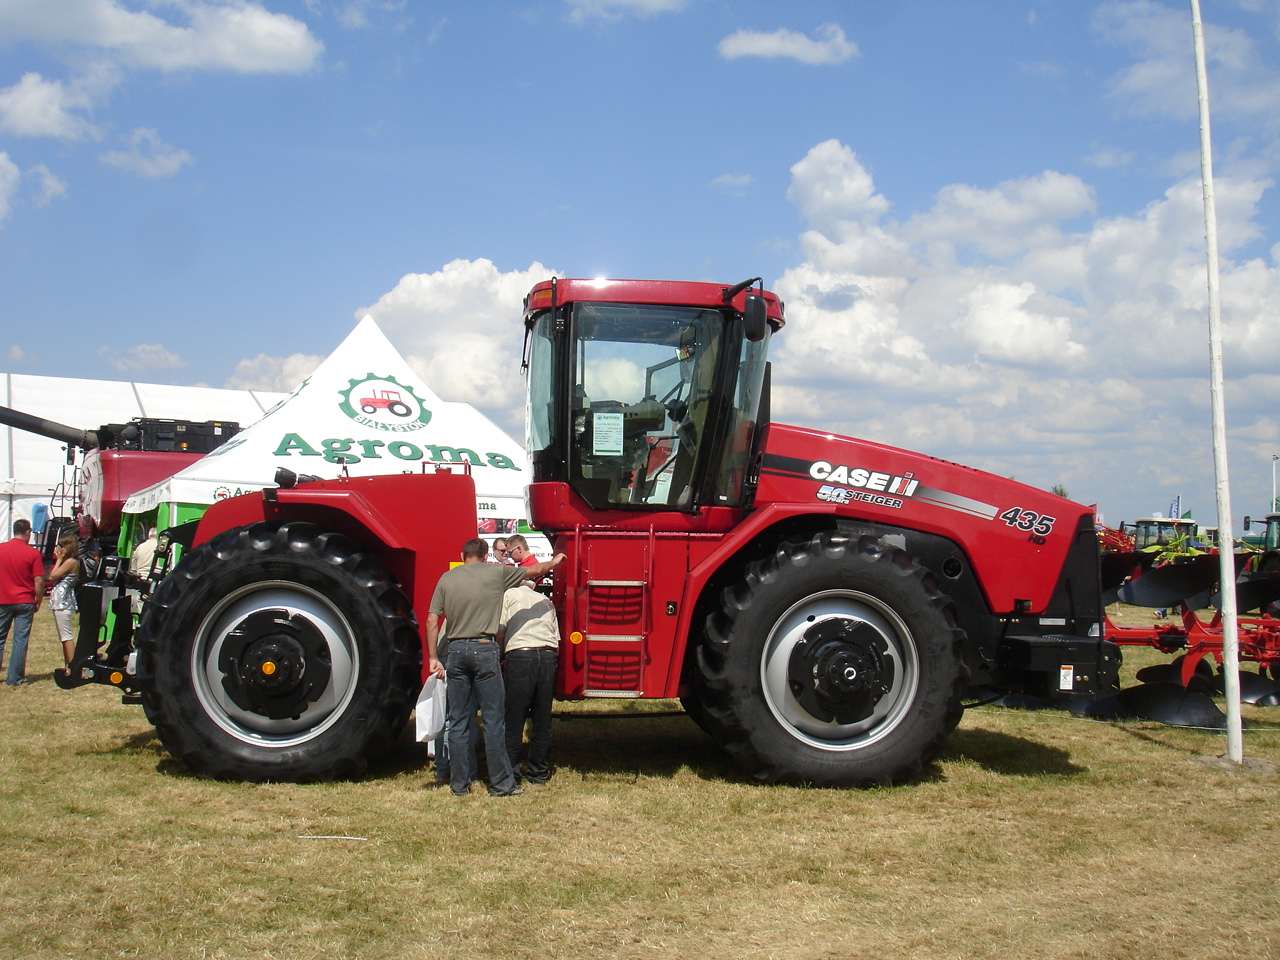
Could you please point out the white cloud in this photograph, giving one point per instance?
(36, 107)
(733, 183)
(831, 187)
(1007, 217)
(233, 35)
(1012, 328)
(48, 186)
(140, 357)
(581, 10)
(148, 155)
(459, 327)
(15, 353)
(265, 372)
(9, 177)
(828, 45)
(1162, 80)
(1000, 324)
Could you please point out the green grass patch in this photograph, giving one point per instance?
(1035, 835)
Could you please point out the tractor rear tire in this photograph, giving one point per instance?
(873, 624)
(278, 652)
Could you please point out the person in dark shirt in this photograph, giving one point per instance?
(469, 597)
(21, 591)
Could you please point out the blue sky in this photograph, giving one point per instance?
(982, 215)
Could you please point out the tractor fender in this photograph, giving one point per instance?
(416, 523)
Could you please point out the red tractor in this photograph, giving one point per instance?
(385, 400)
(822, 605)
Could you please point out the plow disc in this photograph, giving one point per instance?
(1255, 689)
(1170, 585)
(1202, 679)
(1256, 593)
(1167, 703)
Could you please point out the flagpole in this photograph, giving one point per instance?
(1226, 542)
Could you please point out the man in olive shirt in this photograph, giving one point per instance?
(469, 597)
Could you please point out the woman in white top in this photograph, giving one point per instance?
(63, 576)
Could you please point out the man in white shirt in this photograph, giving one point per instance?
(143, 554)
(532, 637)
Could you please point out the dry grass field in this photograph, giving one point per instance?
(1036, 835)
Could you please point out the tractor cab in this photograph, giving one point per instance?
(1160, 531)
(645, 396)
(1271, 531)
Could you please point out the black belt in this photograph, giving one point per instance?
(483, 638)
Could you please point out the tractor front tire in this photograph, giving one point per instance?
(278, 652)
(834, 662)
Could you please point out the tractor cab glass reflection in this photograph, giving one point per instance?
(644, 379)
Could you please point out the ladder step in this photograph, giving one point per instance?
(615, 638)
(620, 694)
(615, 583)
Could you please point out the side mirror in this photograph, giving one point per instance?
(755, 319)
(1247, 521)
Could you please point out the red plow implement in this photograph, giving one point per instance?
(1180, 691)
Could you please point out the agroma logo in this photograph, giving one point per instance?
(384, 403)
(347, 450)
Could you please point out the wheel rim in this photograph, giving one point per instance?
(321, 620)
(861, 611)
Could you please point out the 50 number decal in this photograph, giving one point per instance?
(1039, 524)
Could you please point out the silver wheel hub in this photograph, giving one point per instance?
(839, 670)
(274, 664)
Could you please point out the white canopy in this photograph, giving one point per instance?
(32, 467)
(366, 406)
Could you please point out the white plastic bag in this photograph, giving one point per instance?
(429, 714)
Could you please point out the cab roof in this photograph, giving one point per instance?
(683, 293)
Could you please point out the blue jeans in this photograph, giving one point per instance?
(474, 680)
(442, 743)
(20, 615)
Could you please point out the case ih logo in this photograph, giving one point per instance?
(384, 403)
(903, 486)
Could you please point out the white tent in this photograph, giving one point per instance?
(33, 467)
(365, 406)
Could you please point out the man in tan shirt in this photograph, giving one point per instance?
(528, 624)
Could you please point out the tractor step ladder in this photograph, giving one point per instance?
(616, 629)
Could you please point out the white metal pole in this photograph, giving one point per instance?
(1274, 508)
(1226, 552)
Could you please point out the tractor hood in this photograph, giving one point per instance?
(1016, 536)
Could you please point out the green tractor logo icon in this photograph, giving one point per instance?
(384, 403)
